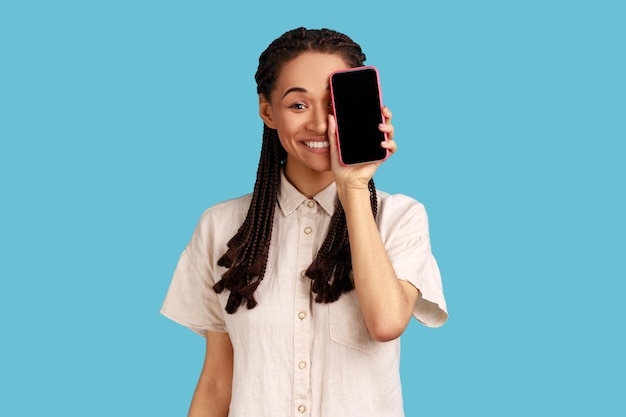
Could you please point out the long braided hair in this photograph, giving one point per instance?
(246, 257)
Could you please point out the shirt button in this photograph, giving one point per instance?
(301, 409)
(307, 230)
(302, 364)
(311, 204)
(302, 315)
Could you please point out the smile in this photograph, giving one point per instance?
(317, 145)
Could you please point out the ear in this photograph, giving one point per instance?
(266, 112)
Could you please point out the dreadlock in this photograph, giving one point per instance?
(246, 257)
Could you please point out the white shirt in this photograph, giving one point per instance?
(292, 356)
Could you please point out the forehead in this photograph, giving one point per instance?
(309, 70)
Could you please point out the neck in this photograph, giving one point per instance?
(309, 182)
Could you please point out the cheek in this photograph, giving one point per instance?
(286, 140)
(282, 133)
(286, 128)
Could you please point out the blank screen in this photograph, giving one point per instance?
(356, 100)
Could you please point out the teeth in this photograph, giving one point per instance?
(324, 144)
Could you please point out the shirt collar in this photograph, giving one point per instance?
(289, 198)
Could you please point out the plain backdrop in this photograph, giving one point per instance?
(121, 121)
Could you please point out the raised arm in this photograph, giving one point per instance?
(386, 302)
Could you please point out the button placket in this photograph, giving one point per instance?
(302, 323)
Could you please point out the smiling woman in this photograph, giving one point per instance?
(298, 109)
(324, 308)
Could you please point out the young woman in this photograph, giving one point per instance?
(303, 288)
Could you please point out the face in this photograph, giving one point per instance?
(298, 109)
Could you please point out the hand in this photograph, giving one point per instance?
(356, 177)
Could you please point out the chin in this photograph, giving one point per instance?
(321, 166)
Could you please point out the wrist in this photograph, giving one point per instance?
(354, 197)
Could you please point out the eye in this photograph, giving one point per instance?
(298, 106)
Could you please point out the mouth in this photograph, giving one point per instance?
(317, 144)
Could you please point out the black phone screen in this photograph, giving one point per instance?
(357, 106)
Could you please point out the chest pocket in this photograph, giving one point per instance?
(347, 326)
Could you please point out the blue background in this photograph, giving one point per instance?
(121, 121)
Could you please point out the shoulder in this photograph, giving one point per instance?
(232, 209)
(221, 221)
(397, 200)
(399, 210)
(397, 204)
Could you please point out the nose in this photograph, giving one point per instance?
(318, 120)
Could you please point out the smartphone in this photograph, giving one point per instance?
(357, 103)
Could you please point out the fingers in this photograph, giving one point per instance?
(390, 145)
(388, 128)
(387, 114)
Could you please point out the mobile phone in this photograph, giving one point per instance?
(357, 104)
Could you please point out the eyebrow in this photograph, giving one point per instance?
(294, 90)
(298, 90)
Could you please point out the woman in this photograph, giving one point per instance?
(303, 288)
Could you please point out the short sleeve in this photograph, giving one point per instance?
(431, 308)
(190, 299)
(404, 230)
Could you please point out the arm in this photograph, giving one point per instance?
(212, 395)
(386, 302)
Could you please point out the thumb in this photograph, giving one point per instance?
(332, 136)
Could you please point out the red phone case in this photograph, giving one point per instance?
(381, 114)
